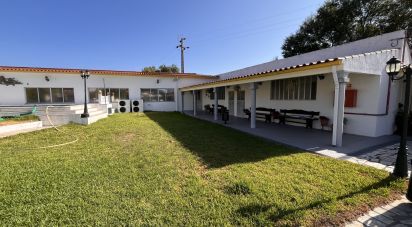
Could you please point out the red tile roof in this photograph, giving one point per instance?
(101, 72)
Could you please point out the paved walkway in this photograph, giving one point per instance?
(309, 139)
(386, 155)
(398, 213)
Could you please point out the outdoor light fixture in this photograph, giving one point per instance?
(321, 77)
(47, 78)
(84, 74)
(393, 67)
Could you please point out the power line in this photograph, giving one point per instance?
(248, 22)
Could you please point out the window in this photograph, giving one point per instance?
(49, 95)
(68, 95)
(303, 88)
(124, 93)
(44, 95)
(157, 94)
(145, 95)
(116, 93)
(57, 95)
(220, 94)
(31, 95)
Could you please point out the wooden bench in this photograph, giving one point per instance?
(261, 113)
(298, 117)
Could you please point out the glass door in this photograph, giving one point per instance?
(231, 103)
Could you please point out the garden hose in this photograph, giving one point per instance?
(57, 129)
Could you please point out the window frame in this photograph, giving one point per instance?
(50, 93)
(155, 96)
(295, 89)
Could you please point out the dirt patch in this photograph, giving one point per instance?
(126, 137)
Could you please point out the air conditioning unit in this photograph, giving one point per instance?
(123, 106)
(137, 105)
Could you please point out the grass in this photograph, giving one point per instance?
(170, 169)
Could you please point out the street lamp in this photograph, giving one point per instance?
(85, 75)
(397, 71)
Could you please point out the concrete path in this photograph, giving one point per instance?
(309, 139)
(2, 135)
(398, 213)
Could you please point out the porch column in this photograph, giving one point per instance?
(235, 102)
(194, 103)
(183, 101)
(341, 78)
(216, 104)
(253, 87)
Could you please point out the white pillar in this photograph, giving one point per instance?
(194, 103)
(176, 93)
(341, 78)
(235, 103)
(216, 104)
(253, 87)
(183, 101)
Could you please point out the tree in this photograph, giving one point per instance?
(162, 68)
(169, 69)
(149, 69)
(341, 21)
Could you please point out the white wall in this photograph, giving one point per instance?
(365, 120)
(15, 95)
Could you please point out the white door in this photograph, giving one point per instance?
(232, 103)
(240, 103)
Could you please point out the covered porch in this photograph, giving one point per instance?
(301, 138)
(321, 87)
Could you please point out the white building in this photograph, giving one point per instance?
(59, 93)
(54, 86)
(318, 81)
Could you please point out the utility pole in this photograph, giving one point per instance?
(182, 54)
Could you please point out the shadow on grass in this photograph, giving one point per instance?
(281, 213)
(216, 145)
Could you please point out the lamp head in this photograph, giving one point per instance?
(393, 67)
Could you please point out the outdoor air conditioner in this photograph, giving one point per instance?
(123, 106)
(137, 105)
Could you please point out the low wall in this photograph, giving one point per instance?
(14, 129)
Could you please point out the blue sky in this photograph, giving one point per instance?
(223, 35)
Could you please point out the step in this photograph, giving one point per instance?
(89, 120)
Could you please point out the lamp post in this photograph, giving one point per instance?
(393, 68)
(85, 75)
(397, 71)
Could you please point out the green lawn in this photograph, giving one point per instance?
(170, 169)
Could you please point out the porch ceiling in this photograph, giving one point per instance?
(297, 70)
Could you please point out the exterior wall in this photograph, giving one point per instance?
(368, 118)
(15, 95)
